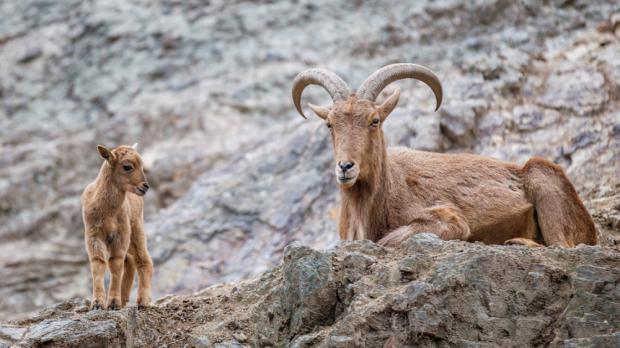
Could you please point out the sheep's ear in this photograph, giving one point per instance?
(389, 104)
(105, 153)
(319, 110)
(134, 146)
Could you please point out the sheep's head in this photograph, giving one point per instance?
(355, 120)
(127, 169)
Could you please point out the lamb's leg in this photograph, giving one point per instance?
(96, 256)
(144, 265)
(118, 245)
(116, 265)
(445, 221)
(128, 276)
(562, 217)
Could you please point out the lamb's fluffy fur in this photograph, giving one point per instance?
(114, 233)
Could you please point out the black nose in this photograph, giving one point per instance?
(345, 165)
(145, 186)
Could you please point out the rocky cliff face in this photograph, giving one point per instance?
(205, 88)
(427, 293)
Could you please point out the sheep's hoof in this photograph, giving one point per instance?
(523, 241)
(114, 304)
(96, 304)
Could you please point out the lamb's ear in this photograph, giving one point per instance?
(105, 153)
(134, 146)
(389, 104)
(319, 110)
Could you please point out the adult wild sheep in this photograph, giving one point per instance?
(113, 228)
(389, 194)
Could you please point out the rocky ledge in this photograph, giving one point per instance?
(426, 293)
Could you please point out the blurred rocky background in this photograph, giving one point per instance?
(236, 174)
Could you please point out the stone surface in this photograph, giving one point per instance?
(581, 91)
(426, 293)
(204, 87)
(12, 333)
(76, 333)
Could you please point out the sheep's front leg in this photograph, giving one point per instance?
(96, 256)
(523, 241)
(445, 221)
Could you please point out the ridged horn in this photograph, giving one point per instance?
(376, 82)
(333, 84)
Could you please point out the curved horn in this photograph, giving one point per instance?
(376, 82)
(334, 85)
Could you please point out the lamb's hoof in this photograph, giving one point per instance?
(96, 304)
(143, 303)
(114, 304)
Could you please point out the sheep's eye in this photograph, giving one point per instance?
(375, 122)
(127, 167)
(328, 125)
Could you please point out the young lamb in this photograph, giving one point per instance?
(389, 194)
(114, 228)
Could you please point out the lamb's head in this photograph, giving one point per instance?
(355, 120)
(127, 168)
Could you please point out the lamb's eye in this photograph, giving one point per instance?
(127, 167)
(375, 122)
(328, 125)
